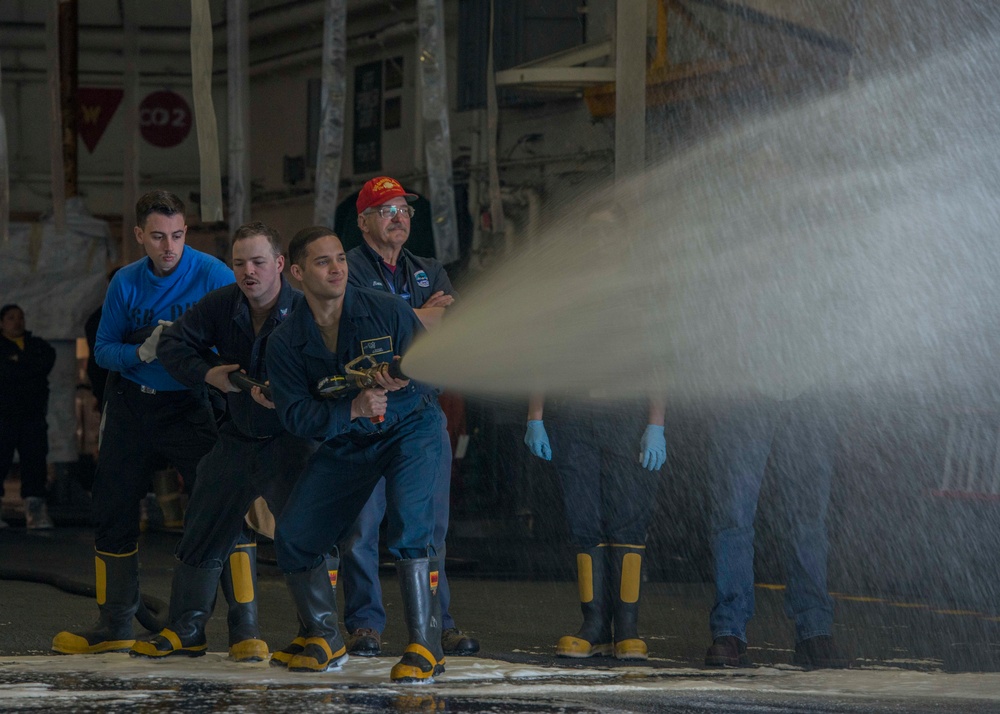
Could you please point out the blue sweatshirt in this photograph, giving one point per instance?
(136, 298)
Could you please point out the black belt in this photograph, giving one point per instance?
(259, 438)
(149, 391)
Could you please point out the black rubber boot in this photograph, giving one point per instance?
(239, 585)
(423, 657)
(594, 635)
(282, 657)
(192, 599)
(626, 577)
(117, 579)
(323, 646)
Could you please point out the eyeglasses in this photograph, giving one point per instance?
(393, 211)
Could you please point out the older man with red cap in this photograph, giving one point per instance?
(382, 263)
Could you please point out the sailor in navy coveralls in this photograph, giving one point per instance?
(338, 324)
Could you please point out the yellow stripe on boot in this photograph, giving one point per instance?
(282, 657)
(627, 561)
(416, 665)
(316, 656)
(165, 644)
(242, 573)
(569, 646)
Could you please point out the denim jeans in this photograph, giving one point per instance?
(799, 437)
(359, 553)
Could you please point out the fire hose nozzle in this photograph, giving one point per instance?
(237, 378)
(359, 377)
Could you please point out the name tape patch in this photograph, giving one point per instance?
(377, 346)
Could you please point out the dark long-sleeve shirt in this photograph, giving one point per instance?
(24, 377)
(415, 278)
(221, 320)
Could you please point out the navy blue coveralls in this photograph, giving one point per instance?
(414, 280)
(354, 455)
(254, 455)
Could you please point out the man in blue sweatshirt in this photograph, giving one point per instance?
(149, 416)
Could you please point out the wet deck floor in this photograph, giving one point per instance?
(909, 656)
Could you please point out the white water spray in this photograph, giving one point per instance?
(852, 241)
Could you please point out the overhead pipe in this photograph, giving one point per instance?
(401, 29)
(263, 23)
(31, 36)
(404, 29)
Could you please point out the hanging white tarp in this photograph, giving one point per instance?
(58, 279)
(330, 147)
(238, 70)
(204, 111)
(55, 114)
(437, 136)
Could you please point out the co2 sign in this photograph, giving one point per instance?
(164, 119)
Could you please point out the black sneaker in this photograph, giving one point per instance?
(820, 653)
(457, 643)
(364, 642)
(728, 651)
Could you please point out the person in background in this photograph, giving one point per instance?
(606, 456)
(795, 441)
(25, 364)
(383, 263)
(149, 417)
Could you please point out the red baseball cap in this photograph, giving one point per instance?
(379, 190)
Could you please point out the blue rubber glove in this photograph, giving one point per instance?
(653, 448)
(538, 441)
